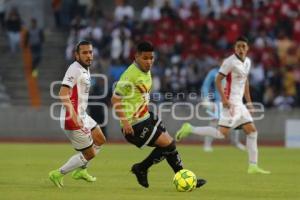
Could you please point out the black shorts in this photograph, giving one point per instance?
(146, 132)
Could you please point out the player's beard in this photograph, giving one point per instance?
(241, 55)
(83, 63)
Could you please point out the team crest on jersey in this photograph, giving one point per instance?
(70, 79)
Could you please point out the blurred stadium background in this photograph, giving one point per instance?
(190, 37)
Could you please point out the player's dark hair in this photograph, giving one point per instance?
(242, 39)
(144, 46)
(82, 42)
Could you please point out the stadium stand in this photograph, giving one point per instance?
(189, 38)
(190, 41)
(4, 98)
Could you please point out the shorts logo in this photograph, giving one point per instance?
(143, 134)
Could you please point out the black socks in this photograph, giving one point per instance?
(160, 153)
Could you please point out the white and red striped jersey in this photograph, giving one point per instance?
(78, 78)
(236, 72)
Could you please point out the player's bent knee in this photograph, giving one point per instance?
(98, 137)
(249, 128)
(164, 140)
(171, 147)
(224, 135)
(103, 139)
(100, 140)
(252, 129)
(223, 132)
(89, 156)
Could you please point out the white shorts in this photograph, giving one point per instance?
(235, 117)
(81, 140)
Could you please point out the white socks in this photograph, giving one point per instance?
(251, 141)
(74, 162)
(207, 131)
(236, 136)
(251, 144)
(208, 141)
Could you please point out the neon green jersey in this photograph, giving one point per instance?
(134, 87)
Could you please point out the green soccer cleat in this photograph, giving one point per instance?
(83, 174)
(57, 178)
(254, 169)
(184, 131)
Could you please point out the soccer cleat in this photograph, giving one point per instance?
(141, 175)
(57, 178)
(200, 182)
(254, 169)
(80, 173)
(184, 131)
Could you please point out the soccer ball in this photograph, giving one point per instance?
(185, 180)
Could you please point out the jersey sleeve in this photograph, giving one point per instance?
(124, 86)
(71, 77)
(225, 68)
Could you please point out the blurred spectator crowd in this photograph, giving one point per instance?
(191, 37)
(13, 26)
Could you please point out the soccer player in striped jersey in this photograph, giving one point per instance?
(85, 135)
(234, 113)
(139, 126)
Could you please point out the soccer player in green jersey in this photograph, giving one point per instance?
(139, 126)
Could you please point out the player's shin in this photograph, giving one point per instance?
(160, 153)
(251, 144)
(154, 157)
(173, 157)
(207, 143)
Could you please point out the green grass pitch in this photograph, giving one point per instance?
(24, 174)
